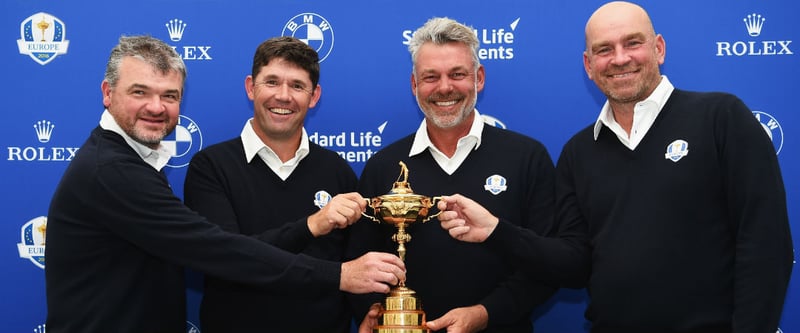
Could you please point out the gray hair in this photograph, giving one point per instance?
(440, 31)
(149, 49)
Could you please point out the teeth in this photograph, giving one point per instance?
(448, 103)
(280, 111)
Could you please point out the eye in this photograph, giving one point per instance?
(602, 50)
(172, 97)
(298, 86)
(458, 75)
(430, 78)
(271, 83)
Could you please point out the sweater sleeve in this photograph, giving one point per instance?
(757, 206)
(542, 262)
(136, 203)
(206, 193)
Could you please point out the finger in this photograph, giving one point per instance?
(457, 232)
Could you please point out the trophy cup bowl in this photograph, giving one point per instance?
(402, 310)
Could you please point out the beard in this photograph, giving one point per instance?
(452, 119)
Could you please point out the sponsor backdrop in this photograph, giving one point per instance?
(53, 55)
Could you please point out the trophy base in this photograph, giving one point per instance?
(400, 330)
(402, 313)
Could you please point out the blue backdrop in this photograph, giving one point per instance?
(53, 54)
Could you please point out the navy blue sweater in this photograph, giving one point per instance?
(696, 244)
(118, 238)
(250, 199)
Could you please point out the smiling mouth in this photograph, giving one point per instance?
(446, 103)
(280, 111)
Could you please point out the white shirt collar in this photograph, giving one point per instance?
(645, 113)
(465, 144)
(254, 146)
(157, 158)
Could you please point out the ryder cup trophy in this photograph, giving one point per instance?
(402, 310)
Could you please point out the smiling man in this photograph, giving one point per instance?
(453, 151)
(264, 183)
(681, 192)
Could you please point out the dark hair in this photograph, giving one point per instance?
(290, 49)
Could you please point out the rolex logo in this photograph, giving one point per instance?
(754, 22)
(175, 28)
(44, 129)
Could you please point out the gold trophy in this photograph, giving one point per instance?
(402, 310)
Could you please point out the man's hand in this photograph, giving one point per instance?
(465, 219)
(461, 320)
(341, 211)
(372, 272)
(371, 319)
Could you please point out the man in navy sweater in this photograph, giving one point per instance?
(265, 183)
(681, 192)
(118, 238)
(464, 287)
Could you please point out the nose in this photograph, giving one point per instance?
(445, 84)
(155, 105)
(282, 92)
(620, 57)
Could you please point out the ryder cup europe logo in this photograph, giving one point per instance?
(495, 184)
(313, 30)
(321, 198)
(183, 142)
(42, 38)
(772, 127)
(33, 236)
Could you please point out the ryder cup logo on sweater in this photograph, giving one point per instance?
(753, 25)
(33, 235)
(183, 142)
(495, 184)
(175, 28)
(677, 150)
(44, 132)
(496, 43)
(43, 38)
(321, 198)
(772, 127)
(312, 29)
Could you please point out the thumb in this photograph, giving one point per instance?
(437, 324)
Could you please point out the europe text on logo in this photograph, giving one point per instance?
(772, 127)
(33, 235)
(496, 43)
(753, 25)
(312, 29)
(175, 29)
(44, 131)
(183, 142)
(42, 37)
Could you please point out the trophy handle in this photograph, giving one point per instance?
(434, 200)
(369, 204)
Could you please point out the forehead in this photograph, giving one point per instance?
(443, 57)
(136, 71)
(282, 68)
(620, 22)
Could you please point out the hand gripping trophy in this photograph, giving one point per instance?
(402, 310)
